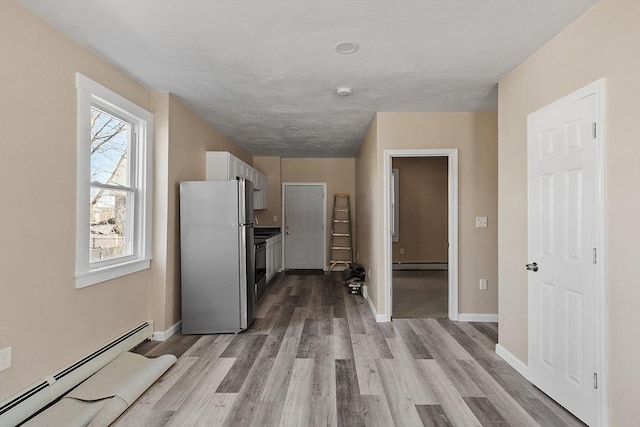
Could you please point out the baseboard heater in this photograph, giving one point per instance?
(23, 405)
(420, 266)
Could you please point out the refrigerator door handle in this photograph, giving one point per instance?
(243, 276)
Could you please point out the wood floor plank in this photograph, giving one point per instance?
(497, 395)
(177, 344)
(267, 414)
(324, 373)
(448, 396)
(238, 373)
(377, 412)
(415, 345)
(365, 355)
(489, 332)
(323, 412)
(316, 356)
(446, 358)
(401, 404)
(298, 401)
(421, 391)
(245, 405)
(485, 412)
(433, 416)
(349, 407)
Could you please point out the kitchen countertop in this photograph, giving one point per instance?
(261, 234)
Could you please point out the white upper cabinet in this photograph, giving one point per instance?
(224, 166)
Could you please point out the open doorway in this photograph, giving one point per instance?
(420, 241)
(451, 278)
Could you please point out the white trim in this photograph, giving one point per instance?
(387, 270)
(91, 93)
(598, 89)
(514, 362)
(163, 336)
(324, 221)
(477, 317)
(380, 318)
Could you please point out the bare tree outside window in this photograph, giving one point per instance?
(110, 186)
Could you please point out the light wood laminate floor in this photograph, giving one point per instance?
(315, 356)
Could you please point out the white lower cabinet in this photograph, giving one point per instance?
(274, 256)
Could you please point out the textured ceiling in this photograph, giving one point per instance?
(265, 72)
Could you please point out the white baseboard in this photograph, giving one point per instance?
(163, 336)
(380, 318)
(477, 317)
(515, 363)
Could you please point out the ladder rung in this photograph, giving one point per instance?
(340, 234)
(346, 248)
(340, 261)
(340, 220)
(341, 209)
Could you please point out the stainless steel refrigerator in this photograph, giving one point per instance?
(217, 256)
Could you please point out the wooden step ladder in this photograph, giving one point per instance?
(341, 248)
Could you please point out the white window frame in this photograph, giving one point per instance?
(91, 94)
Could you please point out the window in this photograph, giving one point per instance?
(113, 236)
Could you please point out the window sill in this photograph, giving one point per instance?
(111, 272)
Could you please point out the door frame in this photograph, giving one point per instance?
(387, 268)
(324, 220)
(597, 89)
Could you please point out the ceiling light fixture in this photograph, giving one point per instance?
(346, 47)
(343, 91)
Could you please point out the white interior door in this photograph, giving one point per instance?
(304, 226)
(563, 185)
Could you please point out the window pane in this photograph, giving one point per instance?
(109, 148)
(109, 224)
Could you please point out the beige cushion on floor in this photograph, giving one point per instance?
(104, 396)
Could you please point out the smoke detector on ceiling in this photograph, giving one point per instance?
(343, 91)
(346, 47)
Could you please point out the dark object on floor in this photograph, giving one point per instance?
(305, 272)
(355, 271)
(355, 286)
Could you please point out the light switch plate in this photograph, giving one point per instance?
(5, 358)
(275, 218)
(483, 284)
(481, 222)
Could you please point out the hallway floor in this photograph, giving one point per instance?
(316, 356)
(420, 294)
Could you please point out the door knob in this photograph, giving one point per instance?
(532, 266)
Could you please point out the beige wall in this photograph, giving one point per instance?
(475, 137)
(367, 194)
(604, 42)
(181, 143)
(48, 322)
(270, 166)
(423, 209)
(338, 173)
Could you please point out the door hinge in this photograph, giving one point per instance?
(594, 130)
(595, 255)
(595, 380)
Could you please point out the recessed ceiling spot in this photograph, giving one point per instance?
(343, 91)
(346, 47)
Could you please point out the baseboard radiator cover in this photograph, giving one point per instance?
(27, 403)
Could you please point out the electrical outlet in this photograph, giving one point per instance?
(369, 273)
(275, 218)
(401, 251)
(5, 358)
(481, 222)
(483, 284)
(357, 256)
